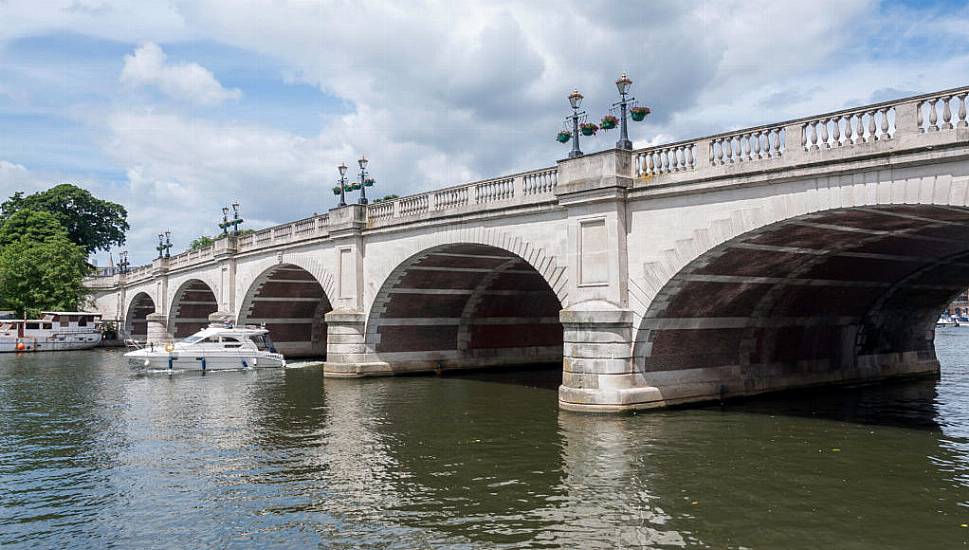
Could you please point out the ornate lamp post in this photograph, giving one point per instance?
(575, 100)
(233, 223)
(637, 112)
(623, 85)
(164, 247)
(342, 188)
(365, 182)
(123, 262)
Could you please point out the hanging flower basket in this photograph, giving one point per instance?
(355, 186)
(368, 182)
(563, 136)
(347, 187)
(638, 113)
(588, 129)
(336, 189)
(609, 122)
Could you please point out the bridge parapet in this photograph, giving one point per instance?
(917, 122)
(523, 189)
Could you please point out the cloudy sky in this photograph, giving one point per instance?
(175, 108)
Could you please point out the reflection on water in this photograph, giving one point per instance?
(92, 455)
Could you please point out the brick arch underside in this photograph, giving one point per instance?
(291, 303)
(842, 295)
(193, 303)
(136, 322)
(465, 306)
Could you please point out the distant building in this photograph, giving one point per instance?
(960, 306)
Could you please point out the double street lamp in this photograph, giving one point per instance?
(627, 109)
(164, 247)
(123, 262)
(345, 186)
(233, 223)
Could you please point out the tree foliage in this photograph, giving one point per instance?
(32, 225)
(42, 275)
(201, 241)
(92, 223)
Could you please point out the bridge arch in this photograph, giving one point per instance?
(137, 310)
(291, 302)
(841, 294)
(544, 259)
(192, 303)
(463, 305)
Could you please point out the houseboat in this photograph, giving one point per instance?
(54, 331)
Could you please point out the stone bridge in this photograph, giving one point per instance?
(814, 251)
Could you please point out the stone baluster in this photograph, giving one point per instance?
(665, 160)
(946, 113)
(729, 155)
(848, 129)
(755, 145)
(933, 116)
(920, 116)
(716, 152)
(962, 123)
(859, 128)
(690, 161)
(836, 132)
(743, 146)
(885, 126)
(871, 126)
(823, 138)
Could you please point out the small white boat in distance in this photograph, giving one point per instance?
(55, 331)
(217, 347)
(946, 321)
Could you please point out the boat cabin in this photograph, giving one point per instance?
(61, 322)
(213, 338)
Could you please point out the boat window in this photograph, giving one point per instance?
(262, 342)
(48, 326)
(82, 321)
(230, 339)
(33, 326)
(65, 322)
(193, 339)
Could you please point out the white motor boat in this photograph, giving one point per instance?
(217, 347)
(946, 321)
(54, 331)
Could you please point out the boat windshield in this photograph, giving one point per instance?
(193, 339)
(263, 343)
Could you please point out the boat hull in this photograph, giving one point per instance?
(182, 361)
(9, 344)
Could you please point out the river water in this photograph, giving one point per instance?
(92, 455)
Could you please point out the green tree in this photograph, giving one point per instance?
(201, 242)
(91, 223)
(32, 225)
(42, 275)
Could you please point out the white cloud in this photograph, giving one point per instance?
(441, 92)
(15, 177)
(148, 66)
